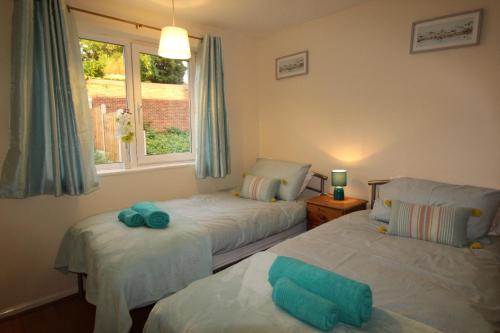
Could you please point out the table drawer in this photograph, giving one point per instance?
(319, 215)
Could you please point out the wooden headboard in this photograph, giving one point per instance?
(374, 184)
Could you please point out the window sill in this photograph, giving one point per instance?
(144, 168)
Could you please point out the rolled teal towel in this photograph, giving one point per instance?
(304, 305)
(153, 216)
(131, 218)
(354, 299)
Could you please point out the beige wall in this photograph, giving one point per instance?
(369, 106)
(31, 229)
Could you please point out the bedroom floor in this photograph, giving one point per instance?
(71, 314)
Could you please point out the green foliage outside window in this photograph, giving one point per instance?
(169, 141)
(161, 70)
(105, 61)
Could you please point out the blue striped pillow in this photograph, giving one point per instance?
(259, 188)
(440, 224)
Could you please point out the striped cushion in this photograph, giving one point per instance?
(259, 188)
(445, 225)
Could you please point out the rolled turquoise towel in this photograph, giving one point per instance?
(354, 299)
(131, 218)
(153, 216)
(304, 305)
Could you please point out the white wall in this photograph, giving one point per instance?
(31, 229)
(369, 106)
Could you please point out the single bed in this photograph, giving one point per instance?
(127, 268)
(418, 286)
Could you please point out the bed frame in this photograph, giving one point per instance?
(322, 179)
(224, 260)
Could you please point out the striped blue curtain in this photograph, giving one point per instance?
(212, 153)
(51, 147)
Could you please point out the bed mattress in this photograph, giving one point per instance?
(436, 286)
(233, 222)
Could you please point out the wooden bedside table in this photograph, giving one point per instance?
(323, 208)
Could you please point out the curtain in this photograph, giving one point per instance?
(51, 147)
(212, 137)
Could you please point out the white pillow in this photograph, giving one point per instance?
(427, 192)
(308, 178)
(495, 225)
(291, 174)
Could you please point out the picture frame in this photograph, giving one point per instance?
(292, 65)
(447, 32)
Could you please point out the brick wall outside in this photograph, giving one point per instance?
(160, 114)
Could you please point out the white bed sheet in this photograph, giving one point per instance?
(450, 289)
(108, 252)
(238, 300)
(441, 287)
(233, 222)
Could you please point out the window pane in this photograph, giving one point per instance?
(104, 68)
(165, 105)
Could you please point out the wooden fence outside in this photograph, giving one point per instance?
(105, 133)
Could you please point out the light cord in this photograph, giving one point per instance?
(173, 13)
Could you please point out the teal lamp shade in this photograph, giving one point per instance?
(339, 179)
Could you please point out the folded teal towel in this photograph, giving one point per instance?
(304, 305)
(354, 299)
(153, 216)
(131, 218)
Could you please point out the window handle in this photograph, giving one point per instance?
(138, 109)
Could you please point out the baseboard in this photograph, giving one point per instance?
(4, 313)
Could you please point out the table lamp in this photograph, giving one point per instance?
(339, 179)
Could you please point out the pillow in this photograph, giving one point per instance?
(486, 200)
(380, 212)
(405, 189)
(408, 190)
(307, 179)
(259, 188)
(291, 174)
(495, 225)
(427, 192)
(440, 224)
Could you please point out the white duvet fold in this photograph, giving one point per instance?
(127, 268)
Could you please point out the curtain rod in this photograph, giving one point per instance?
(137, 24)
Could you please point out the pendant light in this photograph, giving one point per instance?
(174, 41)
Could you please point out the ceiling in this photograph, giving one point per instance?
(254, 17)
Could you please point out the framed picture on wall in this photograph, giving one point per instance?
(292, 65)
(445, 32)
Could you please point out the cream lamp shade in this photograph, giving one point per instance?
(174, 43)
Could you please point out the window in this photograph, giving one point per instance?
(133, 90)
(161, 89)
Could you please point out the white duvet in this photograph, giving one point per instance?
(417, 286)
(233, 222)
(451, 289)
(131, 267)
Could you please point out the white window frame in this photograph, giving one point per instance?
(137, 157)
(127, 56)
(142, 158)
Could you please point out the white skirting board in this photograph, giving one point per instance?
(36, 303)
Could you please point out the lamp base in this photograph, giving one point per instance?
(338, 193)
